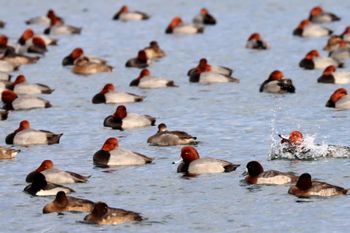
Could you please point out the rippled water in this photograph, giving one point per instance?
(233, 121)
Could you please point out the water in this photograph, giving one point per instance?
(233, 121)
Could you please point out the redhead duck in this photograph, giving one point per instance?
(257, 175)
(176, 26)
(55, 175)
(346, 34)
(256, 42)
(122, 120)
(113, 155)
(57, 27)
(146, 81)
(341, 53)
(40, 187)
(313, 60)
(307, 29)
(20, 86)
(318, 15)
(204, 17)
(25, 102)
(86, 67)
(153, 51)
(37, 46)
(193, 165)
(77, 54)
(306, 187)
(27, 38)
(170, 138)
(25, 136)
(63, 203)
(104, 215)
(44, 20)
(141, 61)
(277, 84)
(339, 99)
(125, 15)
(8, 153)
(3, 115)
(108, 95)
(330, 75)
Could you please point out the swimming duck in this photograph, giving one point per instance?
(204, 17)
(77, 54)
(153, 51)
(44, 20)
(125, 15)
(24, 102)
(318, 15)
(256, 42)
(27, 36)
(146, 81)
(277, 84)
(84, 66)
(7, 67)
(57, 27)
(333, 43)
(8, 153)
(307, 29)
(313, 60)
(339, 99)
(108, 95)
(141, 61)
(20, 86)
(176, 26)
(331, 75)
(346, 34)
(342, 52)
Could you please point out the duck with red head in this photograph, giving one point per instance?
(339, 99)
(342, 52)
(102, 214)
(146, 81)
(21, 87)
(192, 164)
(111, 154)
(204, 17)
(57, 27)
(55, 175)
(38, 46)
(346, 34)
(141, 61)
(125, 15)
(24, 102)
(108, 95)
(276, 83)
(313, 60)
(123, 120)
(5, 49)
(43, 20)
(306, 187)
(331, 75)
(153, 51)
(308, 29)
(255, 41)
(27, 36)
(177, 27)
(25, 136)
(77, 54)
(295, 138)
(318, 15)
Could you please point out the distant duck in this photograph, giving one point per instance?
(333, 43)
(176, 26)
(77, 54)
(204, 17)
(63, 203)
(346, 34)
(331, 75)
(111, 154)
(7, 67)
(44, 20)
(28, 35)
(25, 136)
(141, 61)
(20, 86)
(57, 27)
(104, 215)
(342, 52)
(86, 67)
(277, 84)
(318, 15)
(108, 95)
(313, 60)
(170, 138)
(124, 120)
(8, 153)
(256, 42)
(23, 102)
(6, 50)
(339, 99)
(146, 81)
(192, 164)
(307, 29)
(125, 15)
(153, 51)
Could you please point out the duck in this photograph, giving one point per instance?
(7, 67)
(341, 53)
(192, 164)
(177, 26)
(86, 67)
(3, 115)
(170, 138)
(313, 60)
(276, 83)
(153, 51)
(40, 187)
(146, 81)
(308, 29)
(125, 15)
(257, 175)
(21, 87)
(56, 176)
(5, 49)
(64, 203)
(255, 41)
(37, 46)
(141, 61)
(102, 214)
(57, 27)
(77, 54)
(24, 102)
(346, 34)
(339, 99)
(25, 136)
(28, 35)
(123, 120)
(318, 15)
(43, 20)
(330, 75)
(306, 187)
(332, 43)
(8, 153)
(111, 154)
(108, 95)
(204, 17)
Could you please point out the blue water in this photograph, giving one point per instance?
(232, 121)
